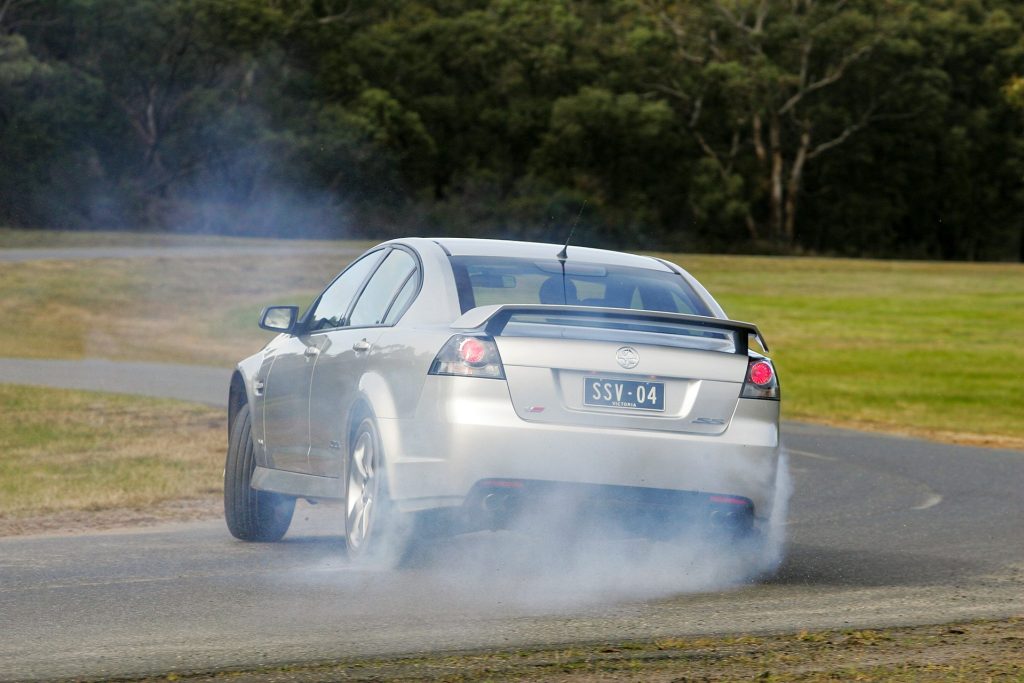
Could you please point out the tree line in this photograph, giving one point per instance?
(848, 127)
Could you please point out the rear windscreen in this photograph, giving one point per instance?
(636, 330)
(491, 280)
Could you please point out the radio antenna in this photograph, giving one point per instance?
(564, 254)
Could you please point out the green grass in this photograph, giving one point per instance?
(200, 310)
(921, 348)
(73, 450)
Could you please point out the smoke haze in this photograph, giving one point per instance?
(548, 563)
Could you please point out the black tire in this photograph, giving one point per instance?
(375, 532)
(251, 515)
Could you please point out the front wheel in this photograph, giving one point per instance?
(251, 515)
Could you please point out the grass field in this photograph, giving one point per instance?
(66, 451)
(175, 309)
(911, 347)
(919, 348)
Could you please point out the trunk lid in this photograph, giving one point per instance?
(573, 365)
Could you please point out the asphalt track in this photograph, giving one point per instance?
(882, 531)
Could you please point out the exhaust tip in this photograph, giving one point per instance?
(494, 503)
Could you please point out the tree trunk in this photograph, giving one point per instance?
(753, 231)
(762, 156)
(793, 187)
(775, 142)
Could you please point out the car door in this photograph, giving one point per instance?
(343, 358)
(287, 370)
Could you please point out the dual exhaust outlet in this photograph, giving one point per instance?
(501, 504)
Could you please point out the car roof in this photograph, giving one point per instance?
(457, 246)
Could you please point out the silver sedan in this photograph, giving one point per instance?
(468, 382)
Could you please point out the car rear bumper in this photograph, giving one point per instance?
(466, 431)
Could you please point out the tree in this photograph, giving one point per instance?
(45, 115)
(158, 59)
(848, 126)
(613, 149)
(760, 77)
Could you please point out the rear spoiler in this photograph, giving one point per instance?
(492, 319)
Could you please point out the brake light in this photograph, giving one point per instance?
(761, 373)
(761, 381)
(472, 351)
(465, 356)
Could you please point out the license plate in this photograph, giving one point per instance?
(619, 393)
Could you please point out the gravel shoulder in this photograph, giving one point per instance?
(972, 651)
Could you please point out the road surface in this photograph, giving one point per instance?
(882, 531)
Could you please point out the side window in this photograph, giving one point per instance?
(380, 291)
(402, 300)
(330, 310)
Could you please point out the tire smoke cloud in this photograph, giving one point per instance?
(551, 561)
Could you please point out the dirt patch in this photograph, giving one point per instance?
(974, 651)
(85, 521)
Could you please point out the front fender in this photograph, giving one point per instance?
(243, 380)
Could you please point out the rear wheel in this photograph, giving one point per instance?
(251, 515)
(362, 491)
(374, 529)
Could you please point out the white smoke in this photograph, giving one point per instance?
(550, 563)
(775, 531)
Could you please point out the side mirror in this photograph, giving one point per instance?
(279, 318)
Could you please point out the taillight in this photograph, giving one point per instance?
(761, 381)
(472, 351)
(761, 373)
(466, 356)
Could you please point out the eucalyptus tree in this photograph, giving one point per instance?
(757, 84)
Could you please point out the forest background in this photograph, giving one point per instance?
(839, 127)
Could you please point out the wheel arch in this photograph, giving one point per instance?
(237, 397)
(240, 387)
(364, 408)
(374, 400)
(376, 393)
(361, 410)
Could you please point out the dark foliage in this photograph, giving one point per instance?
(866, 127)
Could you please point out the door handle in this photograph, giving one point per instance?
(361, 346)
(311, 351)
